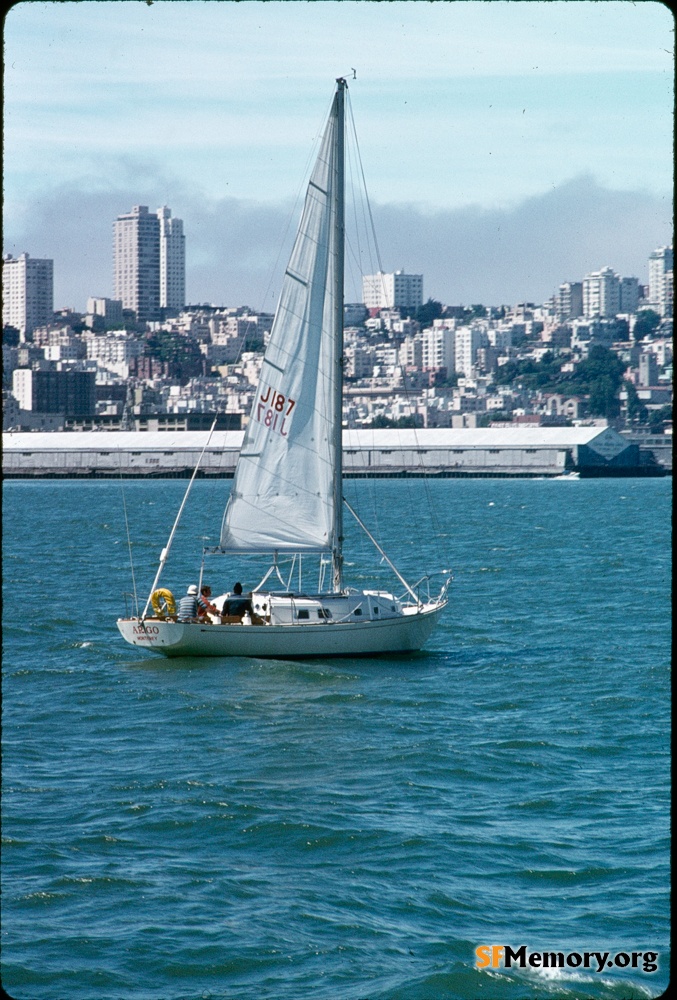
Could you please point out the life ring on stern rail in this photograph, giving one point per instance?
(160, 597)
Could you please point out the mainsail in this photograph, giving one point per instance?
(283, 495)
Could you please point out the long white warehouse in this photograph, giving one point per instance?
(519, 451)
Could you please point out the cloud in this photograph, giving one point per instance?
(523, 253)
(236, 250)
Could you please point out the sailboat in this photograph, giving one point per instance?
(287, 498)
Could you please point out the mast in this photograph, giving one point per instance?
(337, 551)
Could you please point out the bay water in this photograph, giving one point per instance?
(352, 828)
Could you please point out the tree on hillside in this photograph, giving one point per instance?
(543, 374)
(646, 324)
(601, 362)
(415, 420)
(601, 375)
(430, 310)
(604, 401)
(657, 418)
(10, 336)
(637, 413)
(182, 353)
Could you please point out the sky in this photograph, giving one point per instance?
(507, 146)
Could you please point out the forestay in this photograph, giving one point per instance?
(283, 492)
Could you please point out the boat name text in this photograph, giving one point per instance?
(146, 631)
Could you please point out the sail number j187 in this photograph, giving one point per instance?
(270, 407)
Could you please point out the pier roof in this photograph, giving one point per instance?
(527, 436)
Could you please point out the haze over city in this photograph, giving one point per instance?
(507, 146)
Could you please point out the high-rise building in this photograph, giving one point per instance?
(172, 261)
(660, 280)
(569, 302)
(629, 295)
(669, 292)
(601, 293)
(439, 348)
(28, 292)
(467, 342)
(411, 351)
(136, 262)
(392, 291)
(149, 262)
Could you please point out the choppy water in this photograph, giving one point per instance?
(340, 829)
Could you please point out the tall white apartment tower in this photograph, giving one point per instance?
(172, 261)
(136, 262)
(660, 279)
(439, 347)
(392, 291)
(27, 292)
(467, 342)
(601, 293)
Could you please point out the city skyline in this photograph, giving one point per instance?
(507, 147)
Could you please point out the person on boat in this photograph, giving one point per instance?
(204, 605)
(187, 610)
(237, 605)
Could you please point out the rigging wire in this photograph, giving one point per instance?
(372, 241)
(364, 223)
(405, 386)
(165, 552)
(129, 539)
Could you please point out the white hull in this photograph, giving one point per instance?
(405, 633)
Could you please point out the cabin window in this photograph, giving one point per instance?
(494, 451)
(323, 613)
(422, 451)
(392, 607)
(457, 451)
(530, 451)
(102, 453)
(357, 611)
(136, 453)
(303, 613)
(27, 454)
(386, 452)
(376, 610)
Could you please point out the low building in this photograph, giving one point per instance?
(67, 392)
(527, 451)
(653, 448)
